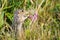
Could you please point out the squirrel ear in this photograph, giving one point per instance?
(19, 11)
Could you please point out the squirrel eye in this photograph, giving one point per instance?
(22, 10)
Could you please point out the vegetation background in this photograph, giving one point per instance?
(47, 26)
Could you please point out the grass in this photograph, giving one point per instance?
(46, 27)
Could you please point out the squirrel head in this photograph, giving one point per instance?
(20, 15)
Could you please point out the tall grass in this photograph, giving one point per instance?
(46, 27)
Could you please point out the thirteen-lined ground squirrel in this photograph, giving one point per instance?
(19, 18)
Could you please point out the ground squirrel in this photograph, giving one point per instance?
(18, 20)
